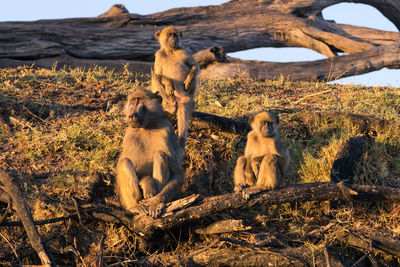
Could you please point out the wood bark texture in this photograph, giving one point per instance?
(118, 37)
(329, 69)
(146, 226)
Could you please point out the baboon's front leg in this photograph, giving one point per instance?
(168, 86)
(128, 185)
(269, 175)
(164, 87)
(190, 77)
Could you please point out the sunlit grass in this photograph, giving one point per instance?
(65, 124)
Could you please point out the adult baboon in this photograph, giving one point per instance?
(266, 160)
(149, 171)
(175, 79)
(209, 56)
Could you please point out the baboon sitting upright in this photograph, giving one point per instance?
(266, 160)
(149, 170)
(175, 79)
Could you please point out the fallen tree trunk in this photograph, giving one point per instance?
(219, 123)
(228, 257)
(320, 191)
(118, 37)
(367, 241)
(322, 70)
(146, 226)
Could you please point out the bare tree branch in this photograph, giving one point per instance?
(25, 215)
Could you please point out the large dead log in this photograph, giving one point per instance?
(227, 257)
(219, 123)
(323, 70)
(367, 241)
(117, 36)
(146, 226)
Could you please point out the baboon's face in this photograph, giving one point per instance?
(169, 37)
(142, 108)
(219, 53)
(135, 112)
(266, 124)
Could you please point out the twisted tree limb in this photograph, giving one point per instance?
(323, 70)
(146, 226)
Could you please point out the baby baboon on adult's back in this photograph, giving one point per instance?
(175, 79)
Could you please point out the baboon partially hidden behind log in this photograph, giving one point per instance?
(175, 79)
(149, 170)
(266, 160)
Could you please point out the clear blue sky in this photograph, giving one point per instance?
(27, 10)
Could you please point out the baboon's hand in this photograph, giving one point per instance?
(154, 207)
(251, 191)
(169, 90)
(188, 82)
(148, 192)
(170, 105)
(239, 187)
(140, 209)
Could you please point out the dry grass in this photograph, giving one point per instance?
(59, 126)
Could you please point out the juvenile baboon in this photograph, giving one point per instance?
(266, 160)
(149, 171)
(175, 79)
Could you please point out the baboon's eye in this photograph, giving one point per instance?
(270, 123)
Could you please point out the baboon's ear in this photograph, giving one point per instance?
(157, 35)
(213, 49)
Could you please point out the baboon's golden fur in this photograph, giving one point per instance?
(265, 162)
(149, 171)
(175, 79)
